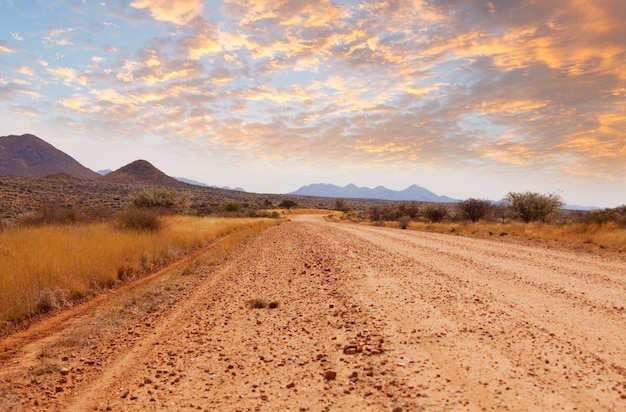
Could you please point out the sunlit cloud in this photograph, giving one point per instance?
(178, 12)
(59, 37)
(6, 49)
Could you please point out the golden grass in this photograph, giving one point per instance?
(607, 235)
(43, 268)
(610, 236)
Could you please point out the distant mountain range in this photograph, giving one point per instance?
(29, 156)
(351, 191)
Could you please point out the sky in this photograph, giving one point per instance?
(467, 98)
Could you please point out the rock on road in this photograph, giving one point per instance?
(376, 319)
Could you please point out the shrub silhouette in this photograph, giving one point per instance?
(436, 213)
(474, 209)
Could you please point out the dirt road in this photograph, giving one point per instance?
(368, 319)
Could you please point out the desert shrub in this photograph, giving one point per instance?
(436, 213)
(342, 206)
(534, 207)
(602, 216)
(404, 222)
(287, 204)
(474, 209)
(139, 219)
(53, 214)
(231, 207)
(173, 201)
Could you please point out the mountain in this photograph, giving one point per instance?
(196, 183)
(141, 172)
(29, 156)
(351, 191)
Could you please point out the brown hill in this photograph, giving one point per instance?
(29, 156)
(141, 172)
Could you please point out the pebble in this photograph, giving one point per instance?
(330, 375)
(350, 350)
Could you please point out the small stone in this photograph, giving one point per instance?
(290, 385)
(147, 381)
(397, 409)
(58, 389)
(330, 375)
(64, 371)
(124, 394)
(350, 349)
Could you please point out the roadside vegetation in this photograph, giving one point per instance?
(525, 215)
(54, 259)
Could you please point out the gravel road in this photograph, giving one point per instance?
(368, 319)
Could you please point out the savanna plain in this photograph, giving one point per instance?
(309, 314)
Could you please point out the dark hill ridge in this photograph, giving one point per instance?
(29, 156)
(351, 191)
(141, 172)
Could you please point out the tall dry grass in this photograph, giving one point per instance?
(610, 235)
(606, 235)
(48, 267)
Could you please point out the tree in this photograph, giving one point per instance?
(436, 213)
(287, 204)
(474, 209)
(534, 207)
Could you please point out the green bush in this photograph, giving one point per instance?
(287, 204)
(534, 207)
(231, 207)
(173, 201)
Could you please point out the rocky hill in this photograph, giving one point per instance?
(141, 172)
(29, 156)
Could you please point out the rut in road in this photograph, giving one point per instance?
(376, 319)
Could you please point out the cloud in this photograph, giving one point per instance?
(6, 49)
(178, 12)
(59, 37)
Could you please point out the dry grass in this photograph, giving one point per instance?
(608, 236)
(50, 267)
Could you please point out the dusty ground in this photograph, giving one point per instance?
(368, 319)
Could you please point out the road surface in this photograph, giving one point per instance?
(368, 319)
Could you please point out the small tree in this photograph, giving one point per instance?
(287, 204)
(231, 207)
(156, 198)
(474, 209)
(436, 213)
(533, 207)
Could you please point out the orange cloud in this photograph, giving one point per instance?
(178, 12)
